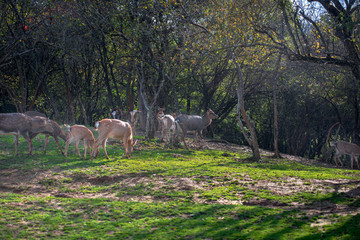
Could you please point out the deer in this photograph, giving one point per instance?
(195, 123)
(56, 133)
(20, 124)
(35, 114)
(77, 133)
(346, 148)
(133, 119)
(158, 115)
(113, 128)
(168, 127)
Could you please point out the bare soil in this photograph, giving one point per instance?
(36, 183)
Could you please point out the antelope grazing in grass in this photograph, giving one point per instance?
(113, 128)
(195, 123)
(35, 114)
(133, 119)
(167, 123)
(346, 148)
(20, 124)
(56, 133)
(77, 133)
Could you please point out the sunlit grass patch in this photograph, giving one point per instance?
(100, 218)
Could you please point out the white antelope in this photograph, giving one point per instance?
(346, 148)
(77, 133)
(167, 123)
(159, 114)
(195, 123)
(113, 128)
(133, 119)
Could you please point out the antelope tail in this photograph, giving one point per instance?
(97, 124)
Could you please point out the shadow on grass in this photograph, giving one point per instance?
(233, 222)
(170, 220)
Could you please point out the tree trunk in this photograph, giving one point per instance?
(12, 95)
(85, 116)
(142, 114)
(52, 100)
(250, 137)
(35, 95)
(150, 130)
(71, 106)
(276, 128)
(150, 126)
(68, 93)
(175, 94)
(104, 60)
(129, 95)
(118, 97)
(23, 86)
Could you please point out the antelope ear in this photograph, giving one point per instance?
(68, 128)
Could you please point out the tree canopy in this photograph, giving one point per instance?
(249, 61)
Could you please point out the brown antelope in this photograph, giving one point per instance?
(346, 148)
(77, 133)
(113, 128)
(20, 124)
(133, 119)
(195, 123)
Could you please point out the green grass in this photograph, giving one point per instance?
(162, 193)
(27, 217)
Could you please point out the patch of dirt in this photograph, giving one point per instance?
(45, 183)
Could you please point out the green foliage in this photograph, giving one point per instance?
(183, 50)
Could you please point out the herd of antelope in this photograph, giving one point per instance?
(32, 123)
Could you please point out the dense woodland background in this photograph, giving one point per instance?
(279, 73)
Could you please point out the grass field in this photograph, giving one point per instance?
(164, 193)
